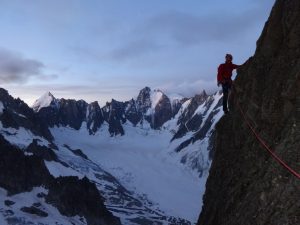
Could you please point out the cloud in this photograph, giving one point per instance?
(189, 89)
(181, 29)
(171, 30)
(162, 35)
(47, 77)
(14, 68)
(187, 29)
(134, 49)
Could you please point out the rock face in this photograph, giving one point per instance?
(94, 117)
(162, 112)
(151, 106)
(68, 112)
(114, 115)
(34, 210)
(143, 100)
(20, 173)
(132, 113)
(246, 185)
(43, 152)
(67, 192)
(190, 120)
(72, 112)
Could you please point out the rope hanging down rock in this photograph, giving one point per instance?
(263, 143)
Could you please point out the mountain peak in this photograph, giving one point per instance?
(45, 100)
(47, 95)
(204, 93)
(145, 91)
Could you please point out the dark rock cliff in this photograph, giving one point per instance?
(94, 117)
(73, 196)
(15, 113)
(162, 113)
(246, 185)
(114, 114)
(18, 172)
(188, 120)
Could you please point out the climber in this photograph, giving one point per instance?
(224, 78)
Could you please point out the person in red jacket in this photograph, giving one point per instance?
(224, 78)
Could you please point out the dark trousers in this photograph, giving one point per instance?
(226, 86)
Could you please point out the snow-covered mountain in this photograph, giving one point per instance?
(148, 157)
(46, 100)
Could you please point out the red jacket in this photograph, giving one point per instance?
(225, 71)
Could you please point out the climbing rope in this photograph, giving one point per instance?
(263, 143)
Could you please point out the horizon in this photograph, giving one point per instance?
(103, 50)
(169, 95)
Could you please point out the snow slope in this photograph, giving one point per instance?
(20, 137)
(12, 214)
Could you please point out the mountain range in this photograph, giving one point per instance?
(112, 156)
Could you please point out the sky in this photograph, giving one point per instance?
(97, 50)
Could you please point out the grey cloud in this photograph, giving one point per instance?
(48, 77)
(188, 29)
(173, 29)
(14, 68)
(134, 49)
(129, 50)
(189, 89)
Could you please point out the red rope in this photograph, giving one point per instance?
(263, 143)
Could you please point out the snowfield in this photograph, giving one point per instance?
(142, 163)
(28, 199)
